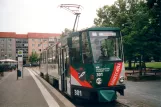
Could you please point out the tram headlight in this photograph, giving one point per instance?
(99, 81)
(121, 80)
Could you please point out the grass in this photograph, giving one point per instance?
(148, 64)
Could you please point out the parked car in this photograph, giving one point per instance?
(26, 65)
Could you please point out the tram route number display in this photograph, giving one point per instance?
(99, 74)
(77, 92)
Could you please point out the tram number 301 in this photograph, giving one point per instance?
(77, 92)
(99, 74)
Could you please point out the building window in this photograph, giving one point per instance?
(9, 39)
(45, 40)
(39, 40)
(2, 40)
(2, 50)
(9, 45)
(39, 45)
(25, 44)
(33, 45)
(33, 40)
(10, 55)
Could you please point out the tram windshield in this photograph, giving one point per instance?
(106, 46)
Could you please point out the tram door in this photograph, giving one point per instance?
(63, 74)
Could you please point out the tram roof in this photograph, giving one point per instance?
(92, 29)
(101, 29)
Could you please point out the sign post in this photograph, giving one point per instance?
(20, 64)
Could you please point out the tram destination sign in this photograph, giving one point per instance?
(103, 33)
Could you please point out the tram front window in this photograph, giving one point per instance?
(106, 46)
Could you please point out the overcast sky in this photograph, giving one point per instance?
(24, 16)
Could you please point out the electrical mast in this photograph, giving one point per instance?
(75, 9)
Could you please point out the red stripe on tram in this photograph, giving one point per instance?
(74, 73)
(116, 73)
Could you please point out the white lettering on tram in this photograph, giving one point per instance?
(116, 74)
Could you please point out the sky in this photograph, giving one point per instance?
(45, 16)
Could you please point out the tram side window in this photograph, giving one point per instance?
(67, 61)
(53, 55)
(54, 58)
(43, 58)
(59, 62)
(87, 57)
(50, 56)
(40, 58)
(76, 49)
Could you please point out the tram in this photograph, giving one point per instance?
(87, 64)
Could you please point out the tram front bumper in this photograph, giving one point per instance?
(103, 94)
(106, 95)
(109, 93)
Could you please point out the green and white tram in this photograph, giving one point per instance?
(87, 64)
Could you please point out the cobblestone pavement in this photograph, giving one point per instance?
(20, 93)
(142, 94)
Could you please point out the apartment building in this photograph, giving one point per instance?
(7, 45)
(40, 41)
(10, 43)
(22, 44)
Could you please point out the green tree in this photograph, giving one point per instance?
(34, 57)
(66, 32)
(138, 25)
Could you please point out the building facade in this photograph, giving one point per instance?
(11, 42)
(22, 44)
(7, 45)
(40, 41)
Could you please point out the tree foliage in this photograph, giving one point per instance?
(66, 32)
(138, 25)
(34, 57)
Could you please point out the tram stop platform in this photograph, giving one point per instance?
(29, 91)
